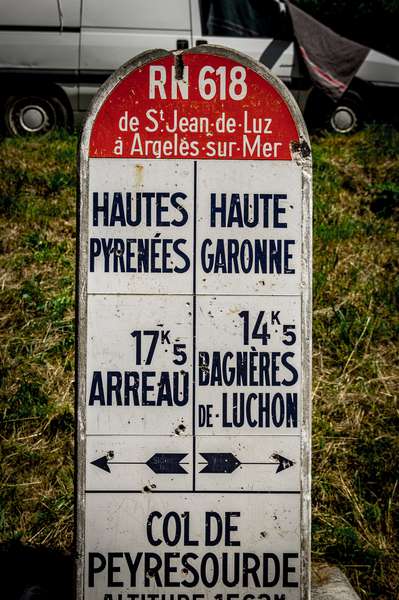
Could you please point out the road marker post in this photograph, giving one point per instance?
(194, 334)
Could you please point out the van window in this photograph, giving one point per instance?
(241, 18)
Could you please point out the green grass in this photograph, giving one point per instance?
(355, 422)
(37, 216)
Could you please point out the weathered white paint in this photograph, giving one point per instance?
(265, 493)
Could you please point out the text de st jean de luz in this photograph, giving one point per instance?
(250, 136)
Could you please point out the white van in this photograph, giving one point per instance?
(54, 54)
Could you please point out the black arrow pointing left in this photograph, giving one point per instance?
(160, 463)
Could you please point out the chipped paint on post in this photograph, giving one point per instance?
(194, 345)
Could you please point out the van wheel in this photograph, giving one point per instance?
(33, 114)
(347, 115)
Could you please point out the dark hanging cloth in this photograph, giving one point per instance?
(331, 60)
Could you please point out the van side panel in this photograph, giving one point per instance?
(34, 36)
(107, 49)
(39, 50)
(137, 14)
(379, 69)
(39, 13)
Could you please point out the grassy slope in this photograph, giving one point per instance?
(355, 444)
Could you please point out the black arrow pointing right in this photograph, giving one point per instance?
(166, 463)
(226, 462)
(220, 462)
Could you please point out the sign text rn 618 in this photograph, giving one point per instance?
(213, 83)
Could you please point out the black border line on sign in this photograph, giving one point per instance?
(239, 492)
(194, 319)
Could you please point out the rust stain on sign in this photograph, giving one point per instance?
(138, 175)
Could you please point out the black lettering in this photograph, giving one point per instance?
(183, 212)
(97, 389)
(218, 210)
(213, 570)
(234, 579)
(278, 210)
(269, 579)
(249, 569)
(291, 368)
(133, 566)
(93, 568)
(213, 534)
(107, 249)
(191, 569)
(181, 254)
(287, 569)
(151, 517)
(131, 384)
(114, 384)
(292, 410)
(133, 222)
(152, 566)
(171, 528)
(169, 569)
(97, 208)
(288, 256)
(229, 528)
(112, 569)
(94, 252)
(118, 211)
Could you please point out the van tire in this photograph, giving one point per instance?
(345, 116)
(26, 114)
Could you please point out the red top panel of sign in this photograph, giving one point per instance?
(217, 109)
